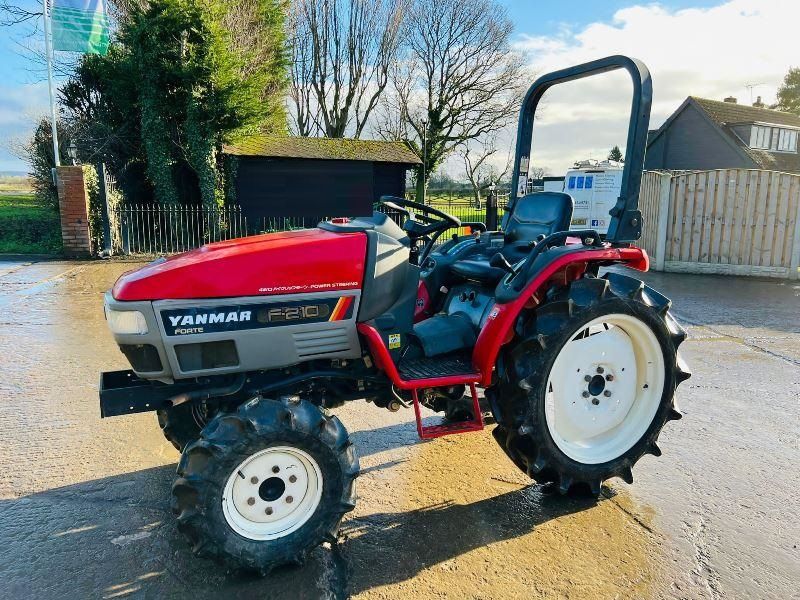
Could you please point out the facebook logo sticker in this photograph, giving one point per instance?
(571, 183)
(589, 182)
(595, 223)
(580, 183)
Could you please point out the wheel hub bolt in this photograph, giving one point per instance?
(609, 377)
(251, 501)
(268, 510)
(275, 469)
(293, 478)
(595, 401)
(607, 394)
(585, 394)
(600, 370)
(254, 480)
(289, 499)
(587, 378)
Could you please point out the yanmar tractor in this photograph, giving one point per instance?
(243, 347)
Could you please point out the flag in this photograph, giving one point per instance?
(79, 26)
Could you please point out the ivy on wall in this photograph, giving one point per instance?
(94, 208)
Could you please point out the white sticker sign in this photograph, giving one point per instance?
(522, 185)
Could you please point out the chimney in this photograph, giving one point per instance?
(730, 100)
(758, 103)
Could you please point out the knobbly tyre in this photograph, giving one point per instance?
(243, 347)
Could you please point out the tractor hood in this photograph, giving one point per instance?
(308, 260)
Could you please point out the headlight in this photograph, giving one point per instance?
(126, 321)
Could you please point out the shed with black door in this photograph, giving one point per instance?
(316, 177)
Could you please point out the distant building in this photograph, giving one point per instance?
(316, 177)
(708, 134)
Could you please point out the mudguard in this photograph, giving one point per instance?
(563, 263)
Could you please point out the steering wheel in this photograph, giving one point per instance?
(422, 222)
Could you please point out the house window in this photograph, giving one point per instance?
(759, 137)
(786, 140)
(773, 138)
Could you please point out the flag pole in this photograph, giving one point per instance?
(48, 42)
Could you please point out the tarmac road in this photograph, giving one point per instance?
(84, 502)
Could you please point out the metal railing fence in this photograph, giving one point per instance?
(157, 229)
(151, 229)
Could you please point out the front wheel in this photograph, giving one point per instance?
(587, 385)
(181, 425)
(263, 486)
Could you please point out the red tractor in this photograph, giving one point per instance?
(243, 347)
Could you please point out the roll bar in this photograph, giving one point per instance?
(626, 219)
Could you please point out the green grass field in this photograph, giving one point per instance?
(26, 227)
(10, 184)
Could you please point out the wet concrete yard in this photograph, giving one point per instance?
(84, 502)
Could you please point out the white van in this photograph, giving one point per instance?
(595, 186)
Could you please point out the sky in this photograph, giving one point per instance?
(704, 48)
(707, 49)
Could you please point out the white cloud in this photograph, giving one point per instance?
(709, 52)
(20, 109)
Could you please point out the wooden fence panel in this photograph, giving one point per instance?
(677, 186)
(728, 221)
(750, 217)
(649, 198)
(717, 232)
(758, 216)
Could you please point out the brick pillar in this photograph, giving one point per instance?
(72, 204)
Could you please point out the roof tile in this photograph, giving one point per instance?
(324, 148)
(728, 113)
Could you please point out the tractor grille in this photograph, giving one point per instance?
(321, 341)
(207, 355)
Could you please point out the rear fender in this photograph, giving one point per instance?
(498, 328)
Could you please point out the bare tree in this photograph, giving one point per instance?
(481, 171)
(536, 172)
(345, 49)
(24, 23)
(305, 114)
(459, 80)
(12, 13)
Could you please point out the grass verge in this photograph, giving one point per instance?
(26, 227)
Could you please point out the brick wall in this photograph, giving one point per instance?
(72, 204)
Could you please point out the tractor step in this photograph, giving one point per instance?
(437, 366)
(434, 431)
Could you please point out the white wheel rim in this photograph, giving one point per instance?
(599, 420)
(272, 493)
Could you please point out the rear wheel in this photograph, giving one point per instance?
(263, 486)
(588, 383)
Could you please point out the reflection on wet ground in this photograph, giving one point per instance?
(483, 537)
(84, 502)
(468, 524)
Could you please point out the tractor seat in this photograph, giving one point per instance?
(536, 214)
(540, 213)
